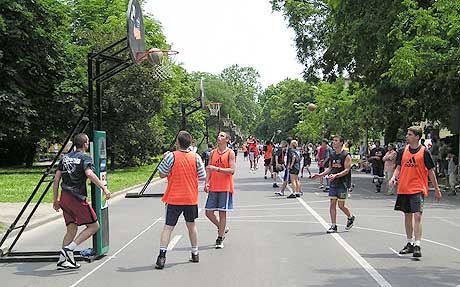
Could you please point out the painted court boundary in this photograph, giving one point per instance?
(116, 253)
(366, 266)
(358, 258)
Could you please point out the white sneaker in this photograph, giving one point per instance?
(68, 255)
(66, 265)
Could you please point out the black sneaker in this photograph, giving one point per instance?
(417, 252)
(292, 195)
(195, 258)
(279, 193)
(275, 185)
(161, 260)
(219, 243)
(332, 229)
(68, 255)
(298, 194)
(265, 177)
(409, 248)
(350, 222)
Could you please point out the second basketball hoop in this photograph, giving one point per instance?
(214, 109)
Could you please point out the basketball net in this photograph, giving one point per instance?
(162, 63)
(214, 108)
(227, 121)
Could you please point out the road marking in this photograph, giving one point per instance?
(258, 209)
(262, 205)
(395, 252)
(271, 221)
(448, 221)
(400, 234)
(369, 268)
(266, 216)
(116, 253)
(173, 242)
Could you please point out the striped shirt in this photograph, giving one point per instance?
(166, 165)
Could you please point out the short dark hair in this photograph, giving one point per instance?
(325, 141)
(79, 140)
(338, 137)
(184, 139)
(416, 130)
(210, 145)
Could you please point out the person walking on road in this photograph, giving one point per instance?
(413, 167)
(376, 158)
(268, 150)
(339, 177)
(390, 165)
(294, 168)
(219, 186)
(74, 168)
(183, 168)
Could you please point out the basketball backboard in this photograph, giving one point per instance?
(202, 97)
(136, 34)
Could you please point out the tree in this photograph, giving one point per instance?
(32, 66)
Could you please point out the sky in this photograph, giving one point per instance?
(211, 35)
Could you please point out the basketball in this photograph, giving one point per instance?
(311, 107)
(155, 56)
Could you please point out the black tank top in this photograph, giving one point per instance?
(338, 165)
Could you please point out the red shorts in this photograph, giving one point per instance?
(76, 210)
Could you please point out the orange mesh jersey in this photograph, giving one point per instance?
(220, 182)
(182, 180)
(413, 177)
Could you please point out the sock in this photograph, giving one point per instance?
(333, 225)
(194, 250)
(417, 243)
(163, 251)
(72, 245)
(61, 258)
(350, 217)
(410, 240)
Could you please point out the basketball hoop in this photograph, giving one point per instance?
(227, 121)
(214, 108)
(162, 62)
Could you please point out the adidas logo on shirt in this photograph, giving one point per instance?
(411, 162)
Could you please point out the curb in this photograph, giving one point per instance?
(57, 216)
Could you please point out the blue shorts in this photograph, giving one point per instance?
(287, 176)
(339, 193)
(221, 201)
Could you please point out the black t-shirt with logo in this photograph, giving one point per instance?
(428, 160)
(380, 152)
(73, 166)
(337, 164)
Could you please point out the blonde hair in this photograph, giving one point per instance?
(294, 143)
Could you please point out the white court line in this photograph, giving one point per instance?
(173, 242)
(272, 208)
(400, 234)
(395, 252)
(272, 221)
(116, 253)
(448, 221)
(266, 216)
(262, 205)
(369, 269)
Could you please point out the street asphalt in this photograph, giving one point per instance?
(273, 241)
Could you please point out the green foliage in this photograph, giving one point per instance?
(404, 55)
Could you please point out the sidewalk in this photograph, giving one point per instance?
(44, 213)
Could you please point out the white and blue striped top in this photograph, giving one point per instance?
(167, 163)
